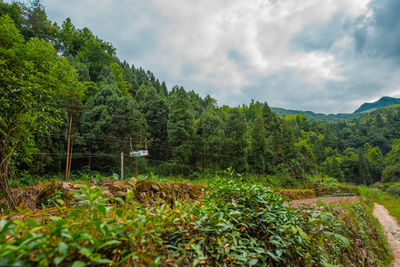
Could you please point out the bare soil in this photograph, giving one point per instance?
(392, 230)
(312, 202)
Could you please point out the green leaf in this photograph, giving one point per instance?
(343, 239)
(328, 234)
(102, 209)
(120, 200)
(129, 196)
(86, 251)
(63, 248)
(109, 243)
(78, 264)
(156, 262)
(253, 262)
(119, 212)
(58, 260)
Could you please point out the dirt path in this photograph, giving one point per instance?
(389, 224)
(392, 231)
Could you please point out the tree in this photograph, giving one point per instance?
(258, 146)
(235, 147)
(181, 130)
(364, 169)
(108, 122)
(211, 135)
(155, 109)
(392, 169)
(34, 81)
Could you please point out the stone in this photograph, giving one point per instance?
(121, 194)
(156, 187)
(107, 194)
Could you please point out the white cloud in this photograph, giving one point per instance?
(192, 42)
(202, 33)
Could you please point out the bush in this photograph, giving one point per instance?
(394, 191)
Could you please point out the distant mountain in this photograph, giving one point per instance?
(383, 102)
(317, 116)
(361, 111)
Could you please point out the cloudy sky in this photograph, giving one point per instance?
(322, 55)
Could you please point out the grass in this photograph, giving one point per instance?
(391, 203)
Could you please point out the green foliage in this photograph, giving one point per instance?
(34, 82)
(392, 171)
(391, 203)
(180, 130)
(236, 223)
(235, 144)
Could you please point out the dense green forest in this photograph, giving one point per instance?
(53, 76)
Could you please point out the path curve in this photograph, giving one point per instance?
(392, 230)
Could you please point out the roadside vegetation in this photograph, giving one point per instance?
(234, 223)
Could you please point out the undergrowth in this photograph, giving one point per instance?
(391, 203)
(236, 223)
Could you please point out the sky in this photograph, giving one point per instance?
(327, 56)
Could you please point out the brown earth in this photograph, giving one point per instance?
(148, 193)
(313, 202)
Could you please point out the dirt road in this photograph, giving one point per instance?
(392, 231)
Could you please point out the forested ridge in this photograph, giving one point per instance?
(114, 106)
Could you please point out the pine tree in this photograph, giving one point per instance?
(155, 109)
(364, 170)
(258, 146)
(108, 122)
(235, 147)
(211, 135)
(181, 131)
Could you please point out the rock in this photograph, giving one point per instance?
(156, 187)
(121, 194)
(133, 180)
(107, 194)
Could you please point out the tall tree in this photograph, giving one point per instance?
(33, 82)
(258, 146)
(211, 135)
(155, 109)
(108, 122)
(181, 130)
(235, 147)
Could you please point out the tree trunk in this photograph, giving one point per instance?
(68, 147)
(4, 183)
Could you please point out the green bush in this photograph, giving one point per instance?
(235, 224)
(394, 191)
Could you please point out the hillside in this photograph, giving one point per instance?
(361, 111)
(382, 102)
(317, 116)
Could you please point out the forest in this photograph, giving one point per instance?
(113, 107)
(69, 107)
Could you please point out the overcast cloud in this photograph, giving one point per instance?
(322, 55)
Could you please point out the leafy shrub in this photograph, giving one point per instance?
(235, 224)
(394, 191)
